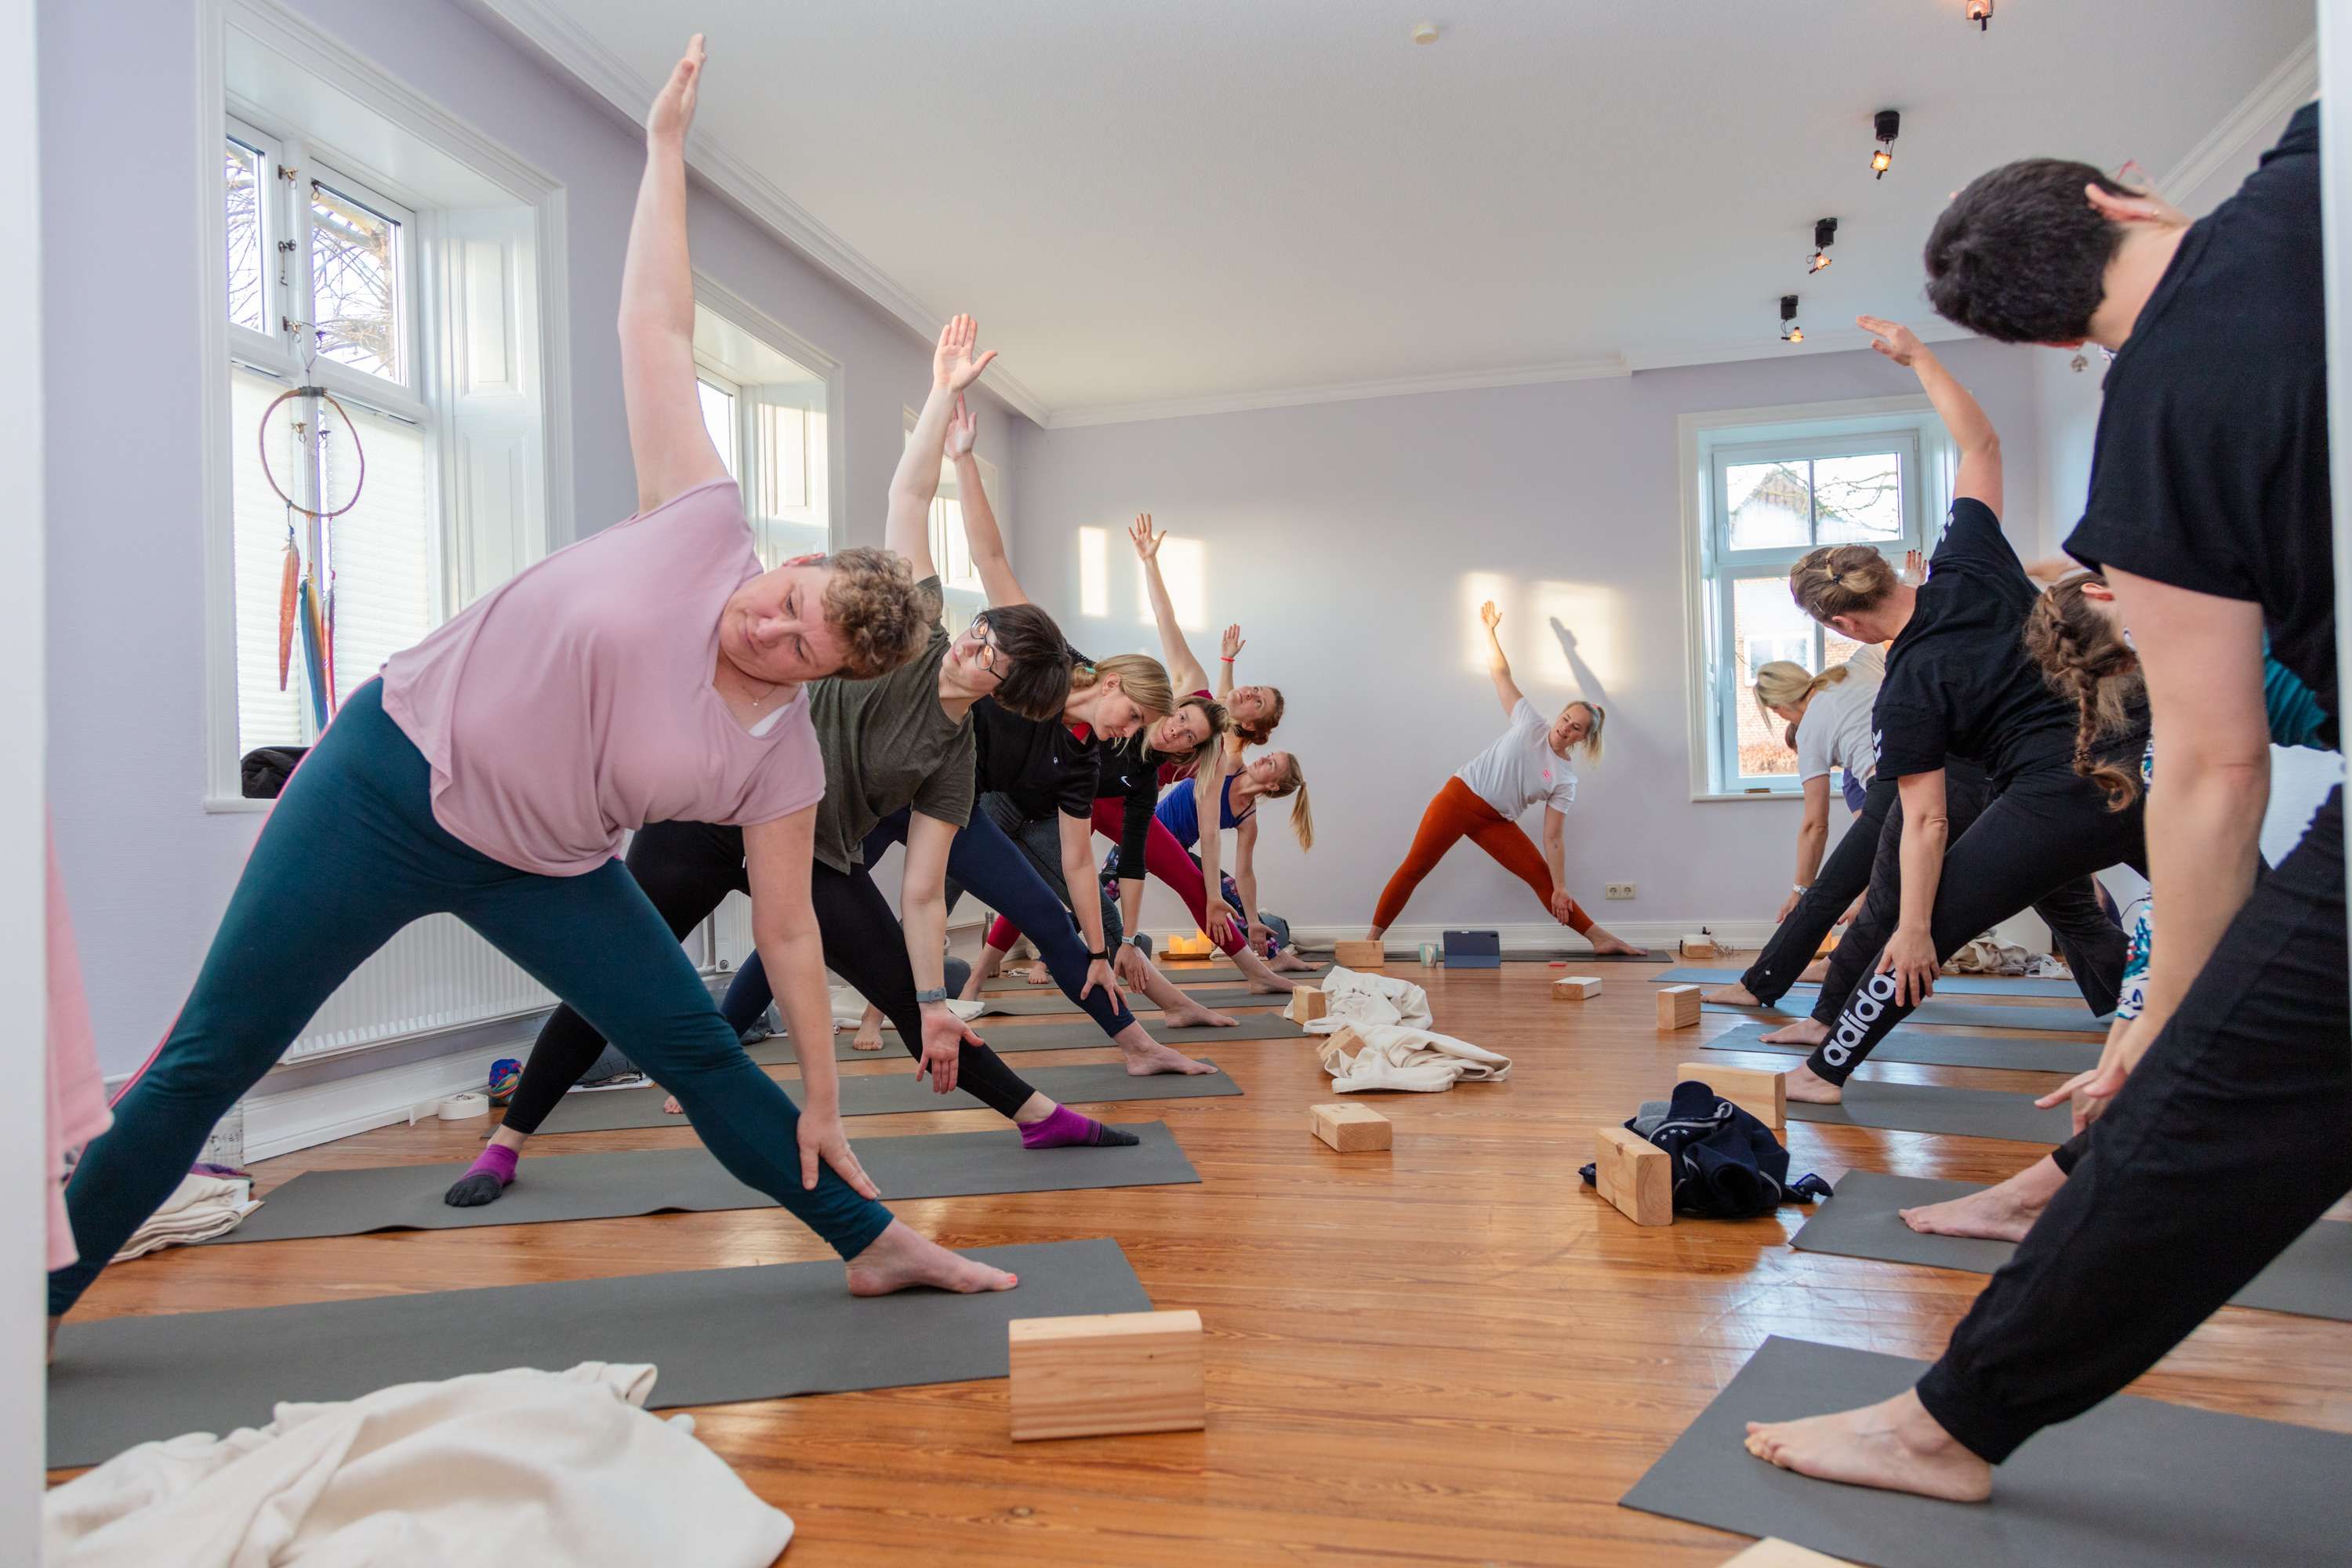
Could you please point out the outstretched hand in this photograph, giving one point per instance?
(1491, 616)
(1146, 543)
(952, 364)
(1915, 568)
(1230, 646)
(672, 114)
(1892, 338)
(963, 429)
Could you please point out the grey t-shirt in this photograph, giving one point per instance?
(887, 743)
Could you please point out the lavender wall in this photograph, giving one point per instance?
(1353, 541)
(148, 871)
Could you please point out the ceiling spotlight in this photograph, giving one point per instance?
(1790, 331)
(1980, 13)
(1887, 124)
(1824, 235)
(1426, 32)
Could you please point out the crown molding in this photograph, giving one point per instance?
(1605, 367)
(543, 26)
(2293, 83)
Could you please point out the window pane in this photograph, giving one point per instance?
(719, 418)
(380, 554)
(1766, 625)
(265, 715)
(354, 283)
(1860, 499)
(1769, 504)
(248, 305)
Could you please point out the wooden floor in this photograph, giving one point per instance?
(1448, 1353)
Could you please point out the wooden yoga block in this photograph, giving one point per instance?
(1307, 1004)
(1351, 1129)
(1575, 989)
(1358, 955)
(1763, 1094)
(1677, 1006)
(1700, 946)
(1098, 1376)
(1635, 1176)
(1774, 1553)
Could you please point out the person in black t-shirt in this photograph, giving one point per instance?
(2222, 1120)
(1960, 684)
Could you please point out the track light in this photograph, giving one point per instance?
(1887, 124)
(1824, 235)
(1980, 13)
(1790, 331)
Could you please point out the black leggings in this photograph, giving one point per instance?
(1039, 839)
(2229, 1139)
(2037, 844)
(687, 869)
(1842, 879)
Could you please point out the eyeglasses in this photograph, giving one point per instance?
(986, 658)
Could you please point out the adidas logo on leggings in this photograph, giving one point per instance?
(1859, 1015)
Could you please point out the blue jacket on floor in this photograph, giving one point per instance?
(1728, 1164)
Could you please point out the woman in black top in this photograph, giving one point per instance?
(1959, 683)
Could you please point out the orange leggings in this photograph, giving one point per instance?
(1457, 814)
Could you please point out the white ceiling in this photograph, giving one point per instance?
(1223, 203)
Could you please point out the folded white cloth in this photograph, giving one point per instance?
(199, 1209)
(1352, 997)
(1391, 1017)
(484, 1471)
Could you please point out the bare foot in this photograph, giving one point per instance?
(1272, 987)
(1604, 942)
(1287, 962)
(1896, 1446)
(1803, 1084)
(1144, 1061)
(900, 1258)
(1734, 996)
(868, 1038)
(1191, 1014)
(1804, 1032)
(1039, 975)
(1814, 974)
(2003, 1213)
(670, 1107)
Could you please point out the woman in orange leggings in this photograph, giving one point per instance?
(1482, 803)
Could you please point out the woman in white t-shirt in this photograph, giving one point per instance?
(1484, 801)
(1831, 713)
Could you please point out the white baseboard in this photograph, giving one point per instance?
(1537, 935)
(295, 1118)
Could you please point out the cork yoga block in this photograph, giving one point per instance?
(1677, 1006)
(1700, 946)
(1358, 955)
(1307, 1004)
(1774, 1553)
(1575, 989)
(1763, 1094)
(1634, 1175)
(1350, 1129)
(1100, 1376)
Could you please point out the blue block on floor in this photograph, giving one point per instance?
(1474, 949)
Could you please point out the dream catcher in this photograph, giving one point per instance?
(306, 598)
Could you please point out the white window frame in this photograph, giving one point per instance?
(222, 343)
(966, 596)
(752, 322)
(1706, 444)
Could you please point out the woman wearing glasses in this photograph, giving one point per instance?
(898, 767)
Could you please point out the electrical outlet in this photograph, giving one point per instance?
(1620, 889)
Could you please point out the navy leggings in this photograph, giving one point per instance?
(350, 854)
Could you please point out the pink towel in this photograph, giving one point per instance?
(78, 1112)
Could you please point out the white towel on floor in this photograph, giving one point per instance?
(486, 1471)
(849, 1008)
(199, 1209)
(1352, 997)
(1400, 1050)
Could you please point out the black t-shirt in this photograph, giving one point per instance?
(1130, 773)
(1039, 765)
(1959, 680)
(2210, 472)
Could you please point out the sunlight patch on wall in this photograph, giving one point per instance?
(1184, 566)
(1094, 573)
(1574, 638)
(1474, 589)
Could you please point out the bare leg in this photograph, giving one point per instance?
(1374, 934)
(1814, 974)
(1604, 941)
(1176, 1009)
(900, 1258)
(1033, 1109)
(1804, 1032)
(1288, 962)
(1896, 1446)
(1804, 1084)
(1146, 1055)
(2004, 1212)
(869, 1030)
(992, 961)
(1261, 978)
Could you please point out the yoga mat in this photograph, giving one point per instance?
(1953, 984)
(2077, 1019)
(880, 1094)
(1905, 1045)
(2135, 1483)
(2312, 1278)
(689, 1181)
(1926, 1108)
(1183, 971)
(1537, 955)
(719, 1335)
(1076, 1035)
(1049, 999)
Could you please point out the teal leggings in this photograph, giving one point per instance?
(349, 855)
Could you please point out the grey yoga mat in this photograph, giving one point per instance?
(1049, 999)
(1183, 971)
(2135, 1483)
(1905, 1045)
(689, 1181)
(2312, 1278)
(1926, 1108)
(719, 1335)
(2077, 1019)
(1945, 984)
(879, 1094)
(1077, 1036)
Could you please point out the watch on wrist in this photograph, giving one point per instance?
(1098, 957)
(936, 994)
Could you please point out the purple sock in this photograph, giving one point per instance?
(1065, 1128)
(496, 1159)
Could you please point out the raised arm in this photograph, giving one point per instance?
(1978, 478)
(1498, 665)
(668, 440)
(1229, 649)
(917, 482)
(980, 530)
(1184, 671)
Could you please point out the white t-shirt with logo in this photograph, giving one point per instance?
(1836, 730)
(1520, 769)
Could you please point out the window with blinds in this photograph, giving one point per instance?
(766, 414)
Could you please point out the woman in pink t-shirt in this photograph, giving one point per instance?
(650, 673)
